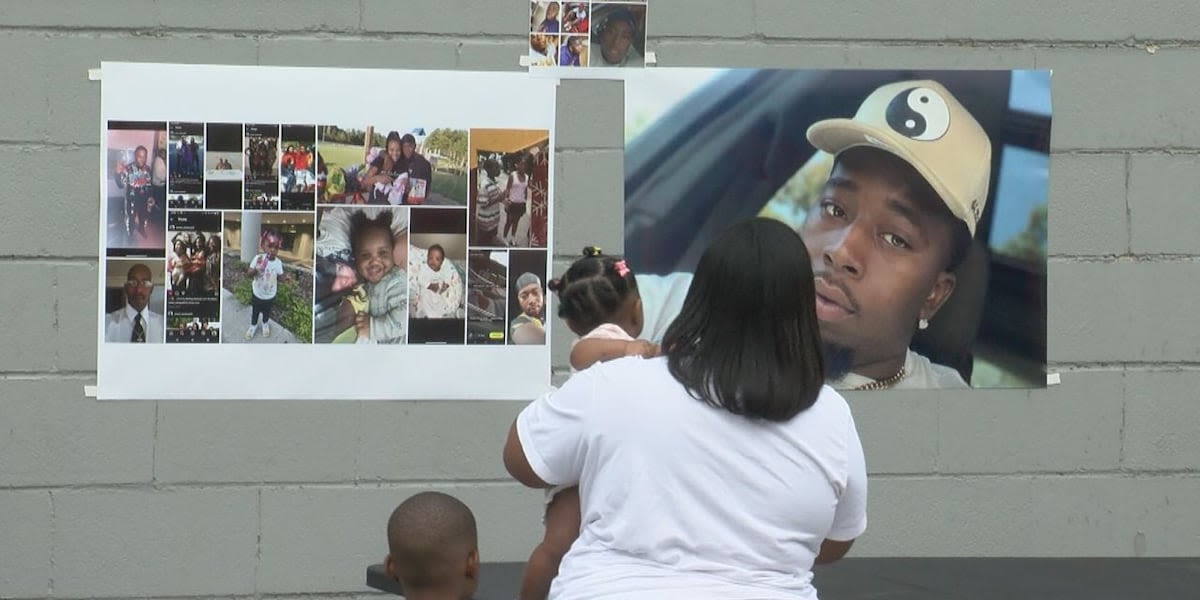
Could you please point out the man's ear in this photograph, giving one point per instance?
(938, 294)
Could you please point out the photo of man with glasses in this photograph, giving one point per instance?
(135, 322)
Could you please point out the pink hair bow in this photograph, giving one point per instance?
(622, 270)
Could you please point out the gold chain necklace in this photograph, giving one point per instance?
(883, 383)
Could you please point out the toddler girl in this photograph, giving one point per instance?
(371, 246)
(598, 299)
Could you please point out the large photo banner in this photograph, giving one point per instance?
(308, 233)
(921, 196)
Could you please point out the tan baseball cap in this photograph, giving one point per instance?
(922, 123)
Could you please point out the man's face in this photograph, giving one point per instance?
(138, 287)
(139, 157)
(530, 298)
(618, 35)
(878, 256)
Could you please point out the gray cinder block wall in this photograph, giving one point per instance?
(278, 499)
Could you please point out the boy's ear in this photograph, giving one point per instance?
(472, 571)
(389, 569)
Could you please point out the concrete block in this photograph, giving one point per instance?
(75, 14)
(321, 540)
(1123, 311)
(256, 441)
(1032, 516)
(589, 196)
(25, 554)
(459, 18)
(267, 16)
(127, 543)
(53, 436)
(360, 53)
(75, 316)
(416, 441)
(698, 18)
(1071, 427)
(492, 54)
(590, 115)
(74, 102)
(46, 230)
(1161, 421)
(681, 52)
(898, 430)
(1087, 205)
(28, 321)
(23, 94)
(1162, 196)
(936, 21)
(1093, 115)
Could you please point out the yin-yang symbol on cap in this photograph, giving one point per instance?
(919, 113)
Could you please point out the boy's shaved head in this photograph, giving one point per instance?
(433, 544)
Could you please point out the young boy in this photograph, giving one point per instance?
(433, 548)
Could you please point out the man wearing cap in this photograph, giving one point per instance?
(616, 47)
(135, 322)
(895, 218)
(527, 328)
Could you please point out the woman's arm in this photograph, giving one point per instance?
(517, 464)
(832, 551)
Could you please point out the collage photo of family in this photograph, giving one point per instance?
(285, 233)
(587, 34)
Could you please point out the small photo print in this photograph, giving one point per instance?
(543, 50)
(223, 166)
(575, 18)
(134, 296)
(262, 167)
(527, 297)
(404, 166)
(618, 35)
(437, 273)
(193, 275)
(192, 330)
(136, 177)
(574, 51)
(510, 174)
(361, 281)
(544, 17)
(186, 159)
(298, 167)
(185, 201)
(487, 277)
(267, 284)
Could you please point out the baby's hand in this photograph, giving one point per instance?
(641, 348)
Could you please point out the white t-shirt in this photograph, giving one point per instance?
(683, 500)
(662, 299)
(265, 281)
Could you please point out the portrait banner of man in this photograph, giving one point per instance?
(921, 196)
(587, 40)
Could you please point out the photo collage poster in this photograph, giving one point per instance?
(938, 284)
(339, 248)
(578, 39)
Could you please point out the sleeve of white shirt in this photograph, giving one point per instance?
(553, 431)
(662, 298)
(850, 517)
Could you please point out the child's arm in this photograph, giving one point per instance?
(589, 351)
